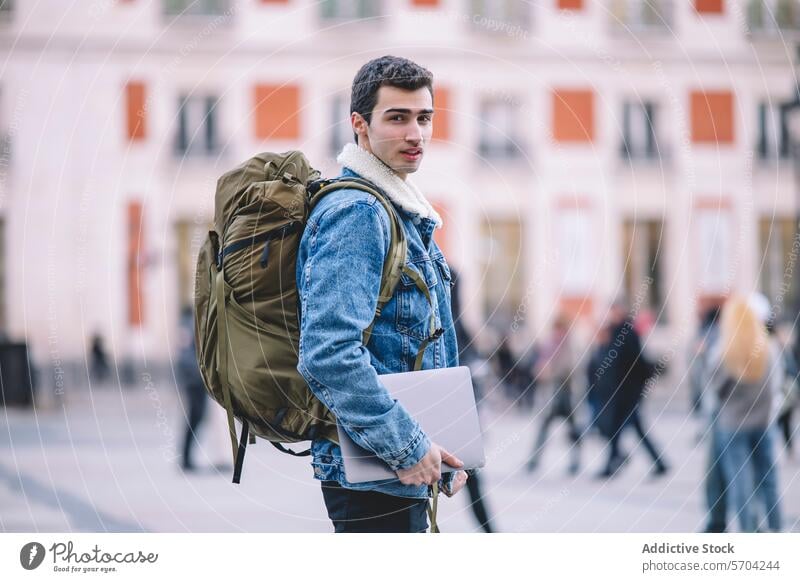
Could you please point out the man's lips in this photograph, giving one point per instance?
(412, 154)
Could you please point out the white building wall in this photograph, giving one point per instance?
(73, 171)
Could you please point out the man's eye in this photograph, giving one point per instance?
(397, 118)
(425, 118)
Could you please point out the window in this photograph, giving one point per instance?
(136, 260)
(778, 262)
(350, 9)
(709, 6)
(712, 117)
(573, 116)
(773, 131)
(136, 105)
(499, 137)
(197, 126)
(570, 4)
(502, 270)
(442, 110)
(5, 155)
(642, 253)
(500, 16)
(443, 235)
(341, 130)
(196, 7)
(5, 144)
(276, 110)
(6, 9)
(641, 16)
(575, 242)
(772, 16)
(714, 252)
(639, 140)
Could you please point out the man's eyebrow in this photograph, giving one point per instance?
(407, 111)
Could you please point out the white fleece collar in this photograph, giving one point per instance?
(404, 193)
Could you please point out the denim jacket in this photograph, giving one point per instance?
(339, 268)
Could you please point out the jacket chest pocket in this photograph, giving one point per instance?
(413, 309)
(447, 277)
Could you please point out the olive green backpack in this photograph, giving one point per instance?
(246, 303)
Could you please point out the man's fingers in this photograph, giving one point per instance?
(457, 484)
(451, 459)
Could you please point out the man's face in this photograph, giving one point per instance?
(401, 127)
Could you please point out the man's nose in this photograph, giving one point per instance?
(414, 134)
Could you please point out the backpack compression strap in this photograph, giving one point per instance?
(395, 257)
(394, 264)
(222, 363)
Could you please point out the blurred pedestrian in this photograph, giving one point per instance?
(469, 356)
(556, 368)
(98, 365)
(504, 362)
(515, 361)
(598, 388)
(629, 371)
(706, 404)
(194, 391)
(790, 395)
(745, 370)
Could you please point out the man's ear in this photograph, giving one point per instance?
(359, 124)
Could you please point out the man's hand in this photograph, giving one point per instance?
(429, 469)
(458, 483)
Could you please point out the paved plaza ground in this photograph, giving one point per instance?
(105, 460)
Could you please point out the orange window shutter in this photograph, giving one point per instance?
(441, 117)
(276, 110)
(709, 6)
(424, 2)
(570, 4)
(135, 257)
(712, 117)
(440, 235)
(576, 307)
(573, 116)
(136, 111)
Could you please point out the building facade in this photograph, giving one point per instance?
(583, 150)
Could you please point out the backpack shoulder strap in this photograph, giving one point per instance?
(396, 256)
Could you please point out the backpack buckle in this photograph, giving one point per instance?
(436, 335)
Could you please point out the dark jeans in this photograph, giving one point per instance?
(785, 422)
(751, 472)
(634, 421)
(560, 407)
(372, 512)
(195, 408)
(477, 504)
(716, 487)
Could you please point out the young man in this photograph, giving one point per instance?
(339, 268)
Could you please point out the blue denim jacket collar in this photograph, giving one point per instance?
(425, 226)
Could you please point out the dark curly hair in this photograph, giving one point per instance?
(385, 71)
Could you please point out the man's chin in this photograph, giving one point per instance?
(406, 168)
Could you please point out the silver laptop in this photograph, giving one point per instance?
(443, 403)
